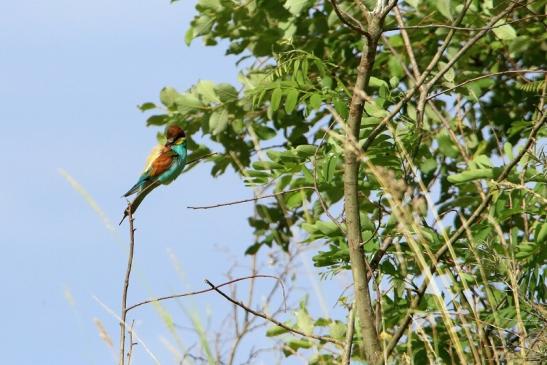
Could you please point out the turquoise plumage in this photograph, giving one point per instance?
(165, 164)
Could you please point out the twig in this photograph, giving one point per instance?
(273, 320)
(196, 160)
(425, 26)
(346, 358)
(484, 77)
(159, 299)
(252, 199)
(126, 282)
(343, 19)
(111, 312)
(131, 343)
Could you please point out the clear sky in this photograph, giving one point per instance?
(71, 75)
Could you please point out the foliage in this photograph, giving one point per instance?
(435, 163)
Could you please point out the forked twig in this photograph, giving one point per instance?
(159, 299)
(273, 320)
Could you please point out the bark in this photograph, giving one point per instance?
(371, 346)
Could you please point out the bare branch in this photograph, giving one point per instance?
(159, 299)
(273, 320)
(131, 343)
(346, 358)
(196, 160)
(126, 283)
(485, 77)
(252, 199)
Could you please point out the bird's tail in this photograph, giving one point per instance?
(139, 198)
(138, 186)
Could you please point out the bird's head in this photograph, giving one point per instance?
(174, 135)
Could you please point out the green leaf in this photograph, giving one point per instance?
(168, 95)
(471, 175)
(226, 92)
(264, 133)
(304, 321)
(444, 8)
(329, 167)
(505, 32)
(375, 111)
(294, 200)
(315, 101)
(337, 330)
(218, 121)
(294, 345)
(275, 331)
(446, 146)
(377, 83)
(206, 89)
(292, 99)
(276, 98)
(189, 36)
(508, 150)
(295, 6)
(146, 106)
(187, 103)
(413, 3)
(156, 120)
(541, 236)
(305, 150)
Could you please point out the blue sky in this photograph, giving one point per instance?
(71, 75)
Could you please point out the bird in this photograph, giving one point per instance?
(164, 164)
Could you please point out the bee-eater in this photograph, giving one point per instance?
(163, 165)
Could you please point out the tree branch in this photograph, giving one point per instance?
(252, 199)
(359, 265)
(126, 283)
(358, 28)
(174, 296)
(346, 357)
(273, 320)
(484, 77)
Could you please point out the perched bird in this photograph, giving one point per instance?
(163, 165)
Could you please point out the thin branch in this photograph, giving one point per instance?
(346, 358)
(484, 77)
(388, 8)
(196, 160)
(343, 19)
(273, 320)
(159, 299)
(252, 199)
(425, 26)
(131, 343)
(111, 312)
(126, 282)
